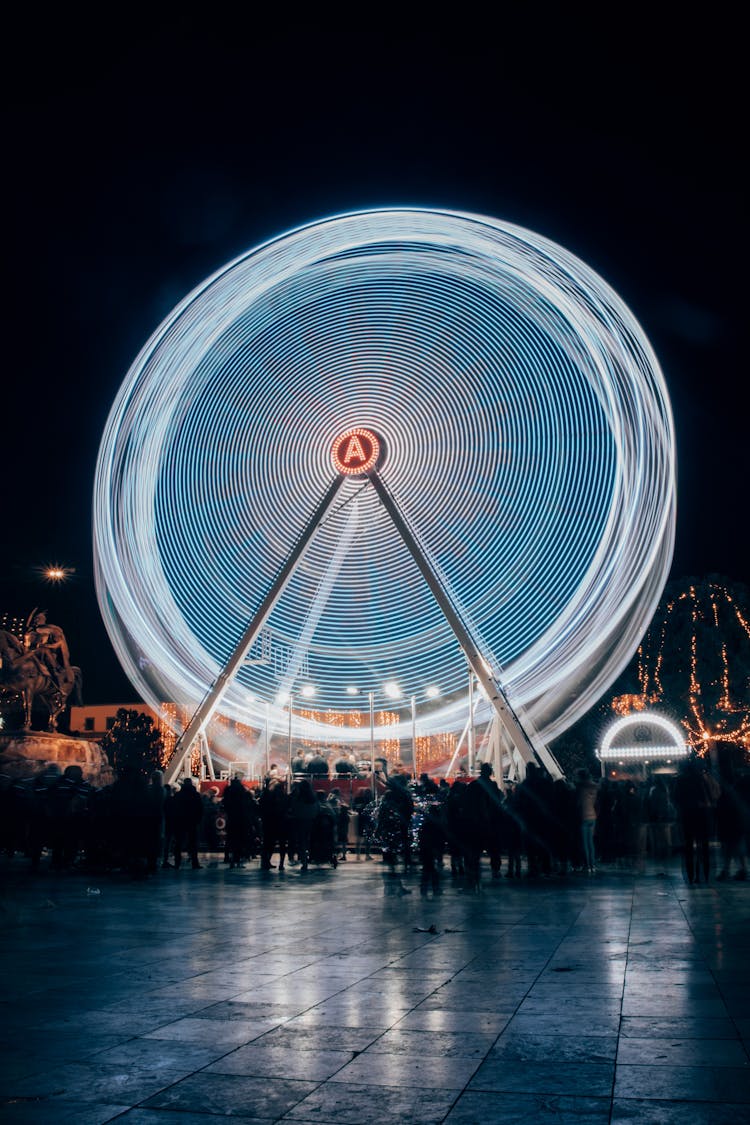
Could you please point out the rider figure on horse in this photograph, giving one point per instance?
(46, 644)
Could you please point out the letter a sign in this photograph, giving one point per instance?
(356, 452)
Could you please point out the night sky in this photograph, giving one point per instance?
(139, 159)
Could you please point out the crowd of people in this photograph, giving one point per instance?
(143, 826)
(537, 828)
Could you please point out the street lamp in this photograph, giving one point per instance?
(391, 690)
(431, 692)
(289, 745)
(371, 698)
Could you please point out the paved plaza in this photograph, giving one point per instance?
(335, 997)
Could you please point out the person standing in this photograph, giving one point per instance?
(237, 805)
(730, 826)
(170, 838)
(483, 804)
(694, 806)
(660, 817)
(155, 799)
(586, 794)
(394, 822)
(341, 809)
(455, 827)
(188, 812)
(364, 824)
(303, 811)
(431, 842)
(273, 808)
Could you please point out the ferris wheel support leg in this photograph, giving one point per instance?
(495, 748)
(208, 765)
(214, 695)
(495, 694)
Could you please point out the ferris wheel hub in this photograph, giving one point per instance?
(357, 452)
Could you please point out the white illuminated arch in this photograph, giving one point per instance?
(529, 441)
(616, 745)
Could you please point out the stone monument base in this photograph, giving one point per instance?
(26, 753)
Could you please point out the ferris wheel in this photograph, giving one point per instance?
(374, 450)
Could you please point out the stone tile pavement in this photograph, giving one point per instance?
(335, 997)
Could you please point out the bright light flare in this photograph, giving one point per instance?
(55, 573)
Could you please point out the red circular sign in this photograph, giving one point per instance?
(355, 452)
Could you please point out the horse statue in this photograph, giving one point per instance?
(24, 674)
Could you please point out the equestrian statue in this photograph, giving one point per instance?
(38, 668)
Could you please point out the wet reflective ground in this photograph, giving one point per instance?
(335, 997)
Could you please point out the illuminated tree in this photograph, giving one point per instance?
(695, 661)
(133, 742)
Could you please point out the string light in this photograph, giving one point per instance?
(529, 441)
(714, 712)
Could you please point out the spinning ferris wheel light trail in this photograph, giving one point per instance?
(358, 453)
(527, 436)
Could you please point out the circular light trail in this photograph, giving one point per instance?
(530, 445)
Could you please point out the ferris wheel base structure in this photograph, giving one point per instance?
(359, 453)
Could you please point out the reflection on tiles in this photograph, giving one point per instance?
(329, 1001)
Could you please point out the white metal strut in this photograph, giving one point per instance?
(507, 717)
(213, 697)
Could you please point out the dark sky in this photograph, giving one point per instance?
(138, 159)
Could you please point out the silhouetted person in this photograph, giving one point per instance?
(323, 840)
(587, 792)
(660, 817)
(303, 810)
(567, 845)
(345, 766)
(730, 824)
(209, 829)
(342, 811)
(513, 832)
(535, 805)
(363, 807)
(129, 817)
(317, 767)
(7, 815)
(694, 807)
(75, 826)
(156, 796)
(238, 807)
(454, 827)
(273, 809)
(188, 812)
(604, 832)
(394, 822)
(169, 824)
(41, 814)
(482, 813)
(431, 844)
